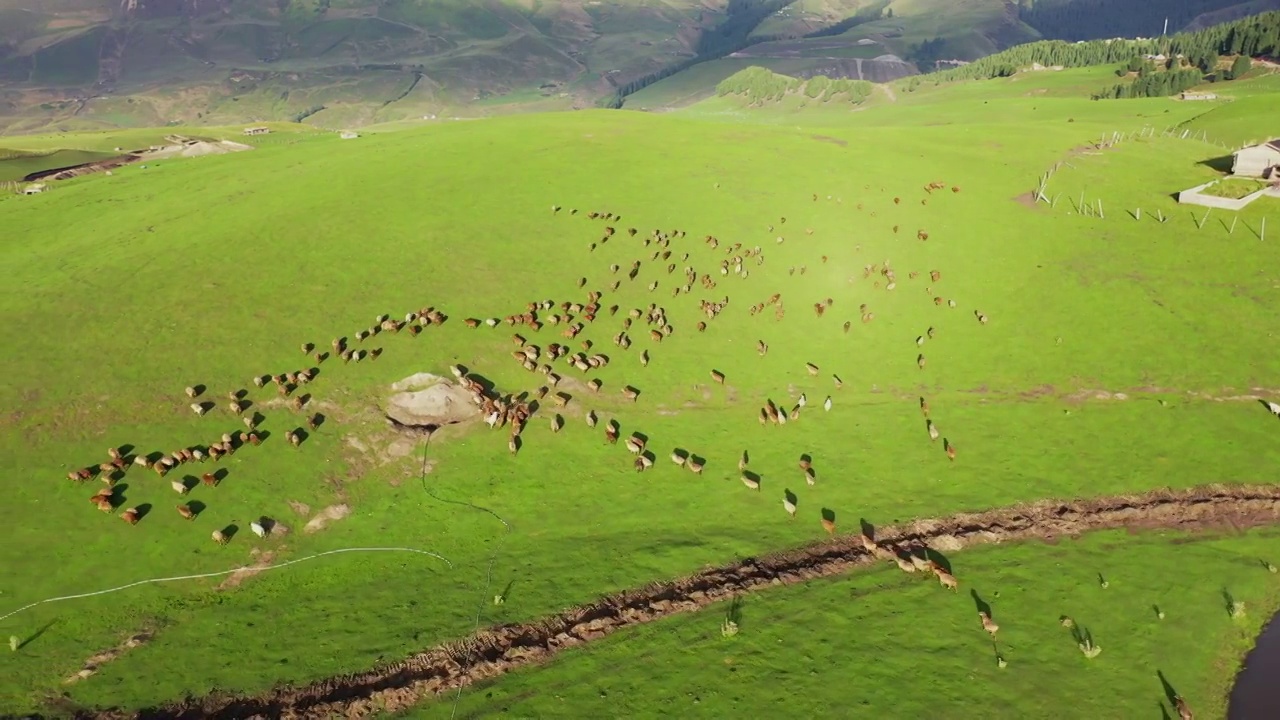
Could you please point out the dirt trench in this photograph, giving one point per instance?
(494, 651)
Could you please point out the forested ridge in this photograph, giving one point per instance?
(1097, 19)
(1254, 36)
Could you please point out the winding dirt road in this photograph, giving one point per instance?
(497, 650)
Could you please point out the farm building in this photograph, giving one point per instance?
(260, 130)
(33, 189)
(1261, 161)
(1198, 96)
(349, 135)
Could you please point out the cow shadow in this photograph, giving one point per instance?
(230, 531)
(1170, 693)
(867, 528)
(806, 458)
(118, 497)
(755, 477)
(126, 450)
(936, 557)
(486, 385)
(791, 498)
(143, 510)
(1266, 405)
(36, 635)
(828, 514)
(982, 606)
(220, 474)
(196, 507)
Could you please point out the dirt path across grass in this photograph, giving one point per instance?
(497, 650)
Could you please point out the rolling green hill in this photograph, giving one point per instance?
(1086, 354)
(970, 290)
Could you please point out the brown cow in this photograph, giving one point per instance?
(186, 512)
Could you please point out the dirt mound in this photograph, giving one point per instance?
(326, 516)
(497, 650)
(426, 401)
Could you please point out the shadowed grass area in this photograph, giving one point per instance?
(1104, 366)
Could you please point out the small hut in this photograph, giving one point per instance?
(1260, 161)
(259, 130)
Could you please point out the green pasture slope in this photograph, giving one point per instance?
(123, 290)
(869, 644)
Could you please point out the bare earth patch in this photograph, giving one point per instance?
(497, 650)
(325, 516)
(95, 662)
(302, 509)
(834, 141)
(261, 563)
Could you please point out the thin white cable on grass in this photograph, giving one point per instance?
(493, 557)
(247, 568)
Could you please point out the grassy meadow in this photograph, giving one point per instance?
(860, 645)
(1108, 365)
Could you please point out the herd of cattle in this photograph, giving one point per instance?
(500, 410)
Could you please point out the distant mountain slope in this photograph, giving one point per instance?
(1095, 19)
(96, 62)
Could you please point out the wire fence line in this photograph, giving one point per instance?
(425, 469)
(493, 557)
(244, 568)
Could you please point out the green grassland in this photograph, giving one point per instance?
(21, 165)
(868, 643)
(123, 290)
(1241, 116)
(26, 154)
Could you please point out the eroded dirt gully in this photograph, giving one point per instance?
(497, 650)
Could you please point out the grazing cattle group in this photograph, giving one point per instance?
(560, 366)
(122, 459)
